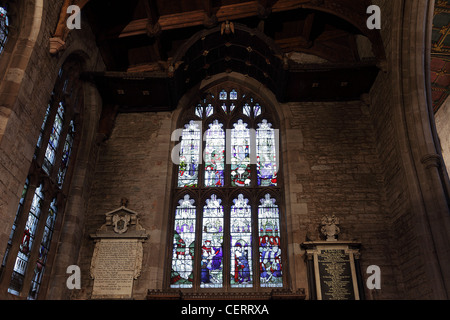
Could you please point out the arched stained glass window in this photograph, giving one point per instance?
(227, 221)
(4, 25)
(46, 188)
(55, 136)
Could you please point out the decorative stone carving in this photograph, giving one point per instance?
(330, 227)
(121, 223)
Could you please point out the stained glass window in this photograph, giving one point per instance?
(241, 243)
(240, 155)
(67, 150)
(212, 241)
(182, 272)
(43, 250)
(27, 241)
(4, 25)
(266, 154)
(28, 247)
(214, 155)
(55, 136)
(189, 155)
(269, 243)
(44, 123)
(224, 237)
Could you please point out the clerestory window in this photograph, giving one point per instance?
(43, 198)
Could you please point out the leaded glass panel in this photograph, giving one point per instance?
(212, 241)
(240, 155)
(241, 243)
(182, 273)
(214, 155)
(269, 243)
(189, 155)
(266, 155)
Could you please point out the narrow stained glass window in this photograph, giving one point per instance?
(189, 155)
(55, 136)
(66, 154)
(214, 155)
(266, 155)
(43, 250)
(26, 244)
(269, 243)
(44, 123)
(212, 240)
(182, 274)
(240, 155)
(223, 95)
(4, 25)
(241, 243)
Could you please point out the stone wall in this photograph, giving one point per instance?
(335, 169)
(133, 164)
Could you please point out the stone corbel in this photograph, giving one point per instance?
(58, 40)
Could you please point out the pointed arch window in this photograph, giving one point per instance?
(29, 246)
(227, 217)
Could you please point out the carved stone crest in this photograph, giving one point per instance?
(121, 222)
(330, 227)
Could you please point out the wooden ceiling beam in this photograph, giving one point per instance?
(197, 17)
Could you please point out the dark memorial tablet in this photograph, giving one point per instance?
(335, 275)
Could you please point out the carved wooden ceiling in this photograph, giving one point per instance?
(155, 50)
(440, 54)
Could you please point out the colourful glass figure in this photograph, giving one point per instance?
(212, 241)
(270, 264)
(266, 155)
(189, 155)
(240, 155)
(241, 243)
(214, 155)
(183, 244)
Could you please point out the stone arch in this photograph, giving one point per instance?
(417, 141)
